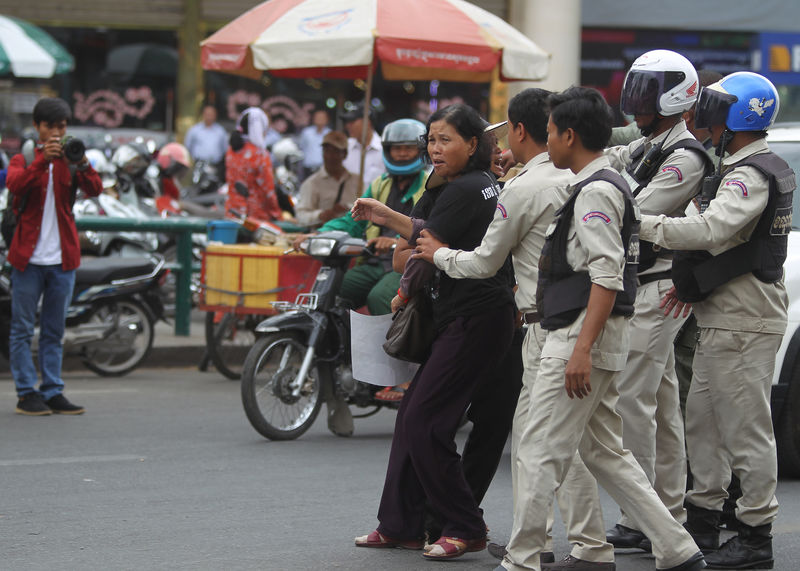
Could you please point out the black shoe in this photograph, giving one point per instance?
(496, 550)
(60, 405)
(622, 537)
(743, 551)
(695, 563)
(499, 552)
(32, 405)
(646, 545)
(703, 526)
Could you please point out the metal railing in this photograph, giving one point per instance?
(183, 228)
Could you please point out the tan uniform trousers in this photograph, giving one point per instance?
(649, 400)
(556, 428)
(729, 424)
(577, 496)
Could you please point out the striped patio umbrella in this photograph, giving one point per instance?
(449, 40)
(29, 51)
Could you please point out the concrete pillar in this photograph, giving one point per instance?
(556, 28)
(190, 87)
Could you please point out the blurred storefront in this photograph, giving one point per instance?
(138, 62)
(131, 57)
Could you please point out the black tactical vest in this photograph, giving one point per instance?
(696, 274)
(642, 168)
(563, 293)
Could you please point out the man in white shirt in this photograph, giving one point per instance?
(311, 141)
(373, 160)
(332, 190)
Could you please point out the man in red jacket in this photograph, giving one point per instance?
(44, 254)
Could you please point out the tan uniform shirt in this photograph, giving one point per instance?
(744, 303)
(677, 181)
(525, 209)
(318, 192)
(595, 245)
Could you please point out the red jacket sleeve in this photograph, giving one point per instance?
(21, 179)
(89, 181)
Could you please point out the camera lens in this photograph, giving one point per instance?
(74, 149)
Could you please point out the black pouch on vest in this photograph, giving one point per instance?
(562, 310)
(687, 288)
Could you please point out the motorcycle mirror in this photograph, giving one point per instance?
(241, 188)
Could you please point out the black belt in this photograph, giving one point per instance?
(647, 278)
(529, 318)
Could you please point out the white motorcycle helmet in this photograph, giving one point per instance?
(102, 166)
(132, 159)
(286, 152)
(659, 82)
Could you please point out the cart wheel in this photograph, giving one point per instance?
(228, 341)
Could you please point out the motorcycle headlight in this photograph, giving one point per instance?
(320, 246)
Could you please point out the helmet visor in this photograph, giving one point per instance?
(402, 133)
(643, 88)
(712, 108)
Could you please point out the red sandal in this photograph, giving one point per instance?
(452, 547)
(390, 394)
(378, 540)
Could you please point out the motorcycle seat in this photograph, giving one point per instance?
(107, 269)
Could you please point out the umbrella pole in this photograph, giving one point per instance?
(364, 123)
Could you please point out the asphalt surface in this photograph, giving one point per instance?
(164, 472)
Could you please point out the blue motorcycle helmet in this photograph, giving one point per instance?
(741, 101)
(402, 132)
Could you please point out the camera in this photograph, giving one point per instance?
(73, 148)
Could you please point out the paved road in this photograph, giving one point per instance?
(164, 472)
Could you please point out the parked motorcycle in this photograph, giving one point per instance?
(110, 321)
(306, 348)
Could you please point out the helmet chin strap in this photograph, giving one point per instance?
(725, 138)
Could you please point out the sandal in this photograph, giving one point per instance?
(451, 547)
(376, 539)
(390, 394)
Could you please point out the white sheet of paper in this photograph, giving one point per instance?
(371, 364)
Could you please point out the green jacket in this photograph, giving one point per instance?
(378, 189)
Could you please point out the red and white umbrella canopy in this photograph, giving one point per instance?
(450, 40)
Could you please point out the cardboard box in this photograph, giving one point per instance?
(262, 273)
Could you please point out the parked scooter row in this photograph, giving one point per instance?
(110, 321)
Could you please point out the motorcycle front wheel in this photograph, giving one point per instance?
(275, 407)
(128, 338)
(229, 340)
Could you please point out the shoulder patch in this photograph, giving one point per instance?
(673, 169)
(597, 214)
(740, 185)
(502, 210)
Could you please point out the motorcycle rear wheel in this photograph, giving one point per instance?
(128, 343)
(269, 372)
(229, 341)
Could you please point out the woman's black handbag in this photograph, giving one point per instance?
(412, 331)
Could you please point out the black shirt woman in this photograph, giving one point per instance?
(475, 323)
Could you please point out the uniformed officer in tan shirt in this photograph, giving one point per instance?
(664, 177)
(742, 320)
(575, 391)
